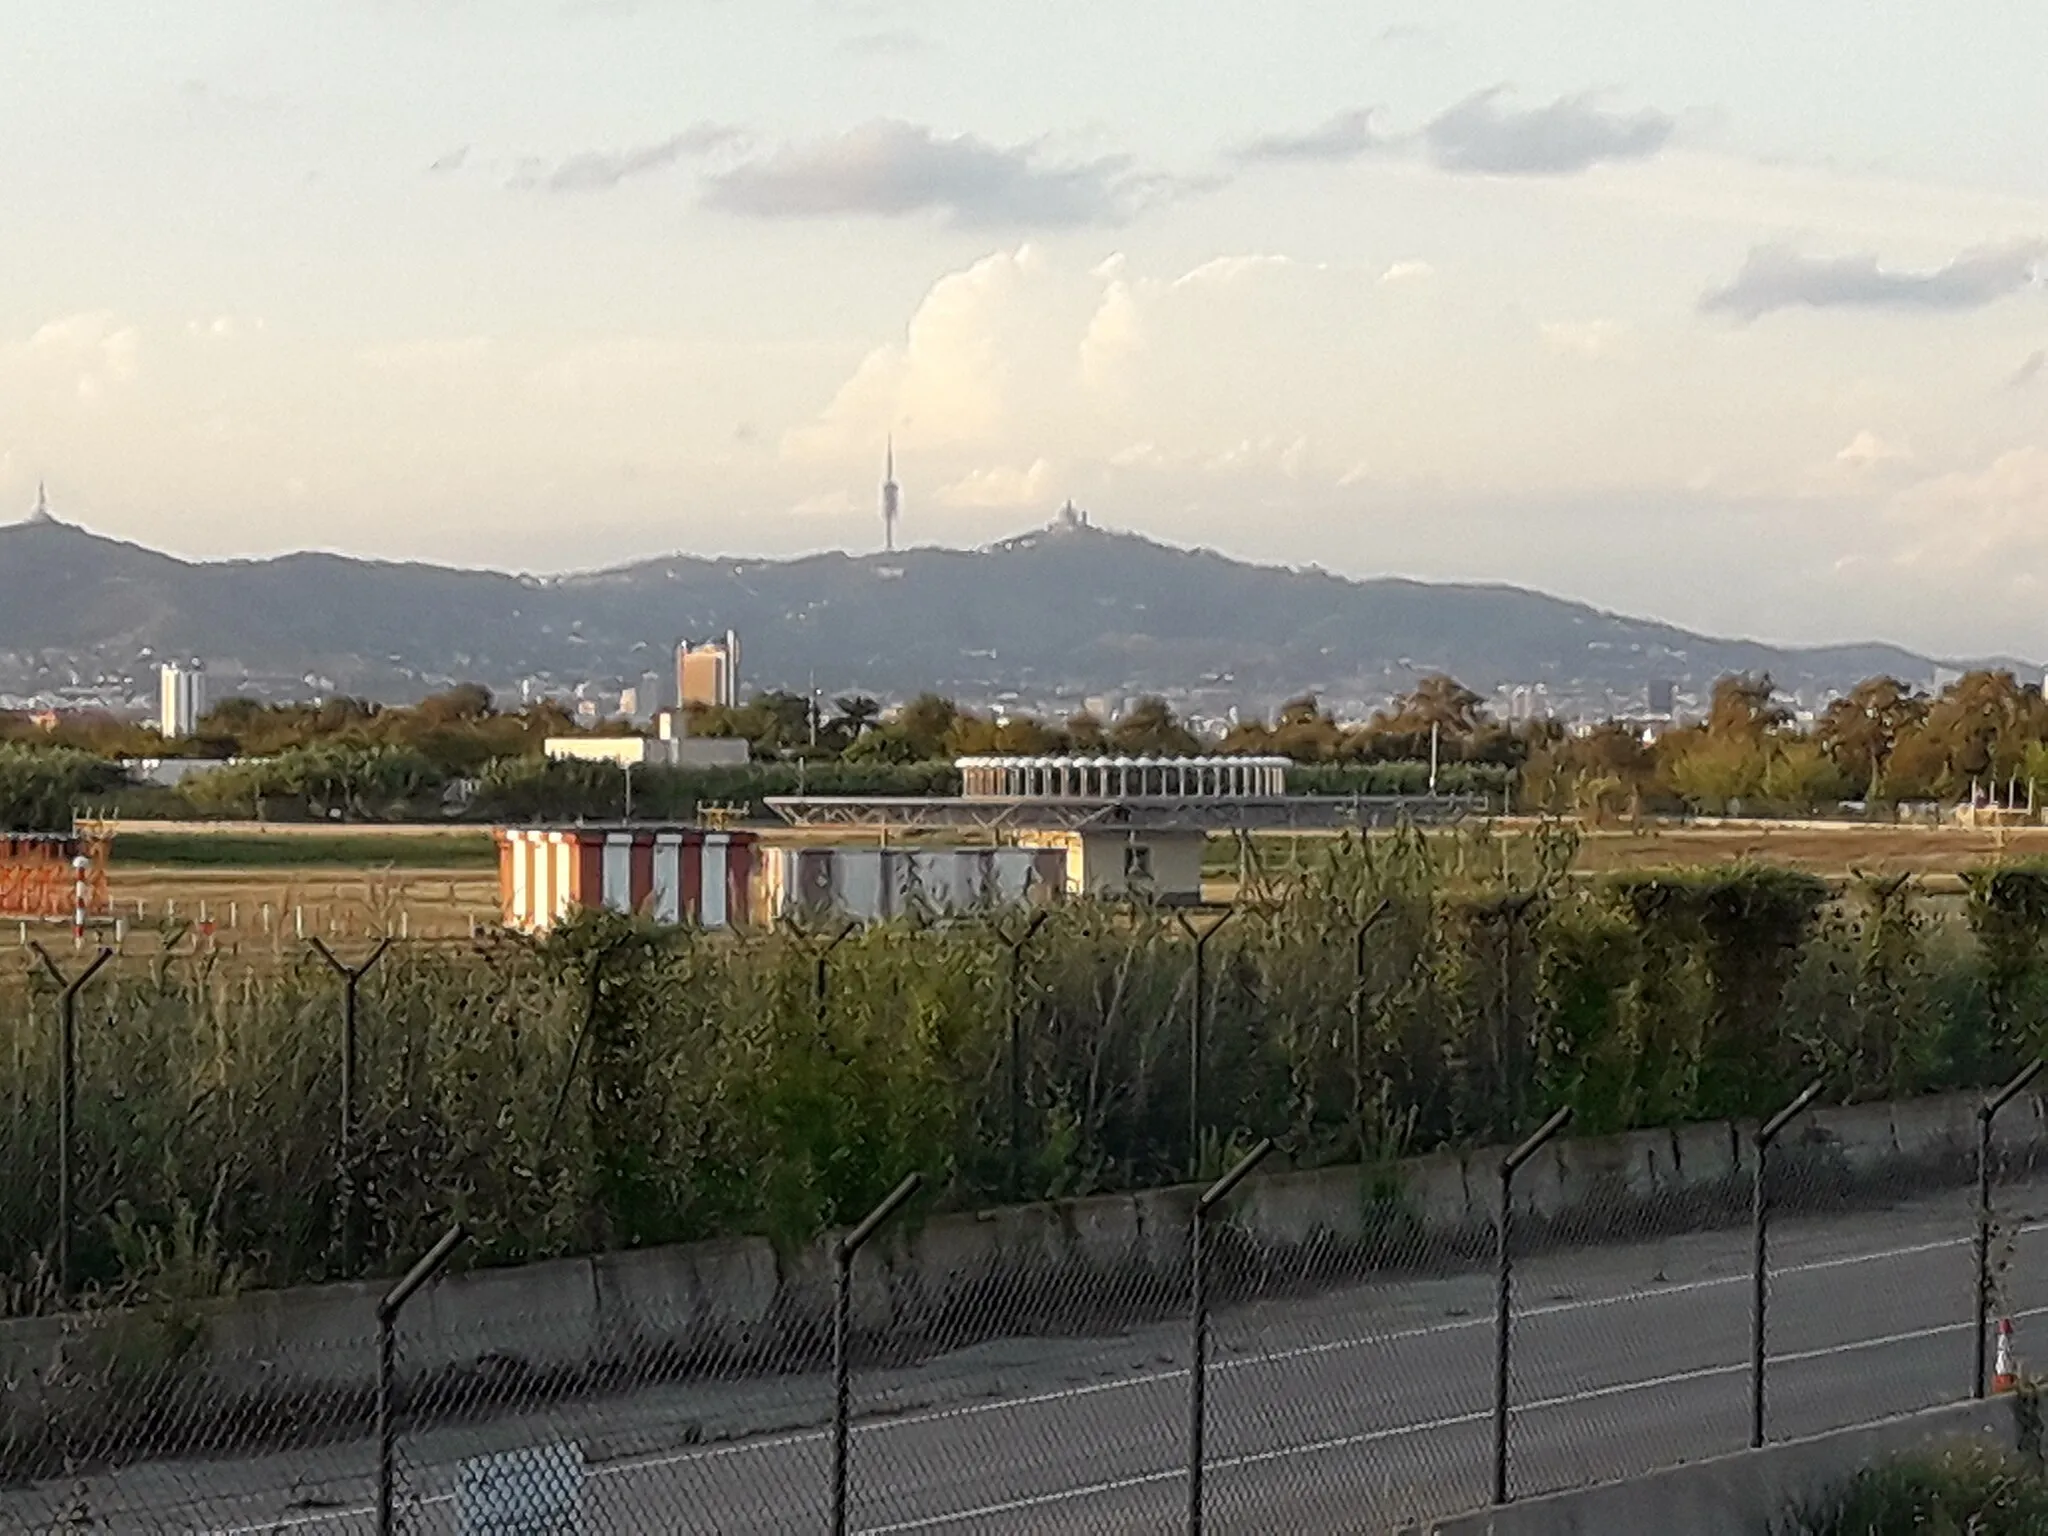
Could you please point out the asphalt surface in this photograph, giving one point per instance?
(1355, 1410)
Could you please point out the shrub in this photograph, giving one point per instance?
(1973, 1489)
(624, 1084)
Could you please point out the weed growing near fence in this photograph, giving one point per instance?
(1970, 1489)
(625, 1085)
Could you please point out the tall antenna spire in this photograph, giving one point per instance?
(41, 514)
(892, 497)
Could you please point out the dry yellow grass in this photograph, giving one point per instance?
(264, 908)
(257, 907)
(1830, 851)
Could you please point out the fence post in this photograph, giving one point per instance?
(1986, 1113)
(843, 1252)
(1198, 1020)
(1504, 1295)
(823, 980)
(67, 1107)
(1198, 1309)
(1018, 1095)
(1766, 1135)
(345, 1136)
(387, 1362)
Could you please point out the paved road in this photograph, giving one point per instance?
(1350, 1411)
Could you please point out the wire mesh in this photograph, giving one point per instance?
(613, 1403)
(1350, 1378)
(162, 1419)
(1021, 1370)
(994, 1392)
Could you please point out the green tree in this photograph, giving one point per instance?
(1744, 708)
(1149, 728)
(1861, 730)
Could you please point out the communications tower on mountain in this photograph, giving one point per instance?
(892, 498)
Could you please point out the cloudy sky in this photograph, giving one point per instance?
(1733, 314)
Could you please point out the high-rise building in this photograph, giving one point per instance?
(892, 498)
(181, 698)
(652, 693)
(709, 674)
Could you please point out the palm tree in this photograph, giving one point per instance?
(857, 714)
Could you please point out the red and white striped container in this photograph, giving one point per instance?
(671, 874)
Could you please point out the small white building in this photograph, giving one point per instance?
(170, 772)
(651, 752)
(1162, 864)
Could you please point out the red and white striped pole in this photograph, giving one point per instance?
(79, 865)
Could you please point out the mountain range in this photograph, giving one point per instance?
(1061, 613)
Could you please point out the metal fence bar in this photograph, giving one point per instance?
(1760, 1214)
(1986, 1113)
(67, 1110)
(821, 981)
(388, 1309)
(345, 1133)
(1198, 1308)
(1504, 1294)
(843, 1253)
(1198, 1030)
(1019, 1089)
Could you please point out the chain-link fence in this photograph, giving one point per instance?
(217, 1180)
(1037, 1378)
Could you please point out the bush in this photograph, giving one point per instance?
(624, 1084)
(1971, 1490)
(41, 788)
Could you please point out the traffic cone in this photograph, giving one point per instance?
(2005, 1373)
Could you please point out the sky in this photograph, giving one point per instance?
(1733, 315)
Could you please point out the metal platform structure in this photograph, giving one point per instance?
(1122, 794)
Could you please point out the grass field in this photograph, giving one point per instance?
(244, 851)
(1937, 856)
(260, 887)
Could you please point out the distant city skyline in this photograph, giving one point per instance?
(1733, 318)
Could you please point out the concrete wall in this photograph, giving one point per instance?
(1747, 1491)
(1026, 1269)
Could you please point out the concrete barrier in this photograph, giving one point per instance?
(1747, 1491)
(1017, 1271)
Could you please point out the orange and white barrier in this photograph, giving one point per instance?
(671, 874)
(2005, 1372)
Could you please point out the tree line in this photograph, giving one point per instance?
(1883, 743)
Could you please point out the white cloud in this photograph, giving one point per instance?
(1232, 269)
(986, 347)
(425, 354)
(1866, 448)
(1286, 456)
(1114, 338)
(220, 327)
(834, 503)
(1410, 271)
(1988, 525)
(1582, 338)
(1001, 485)
(85, 355)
